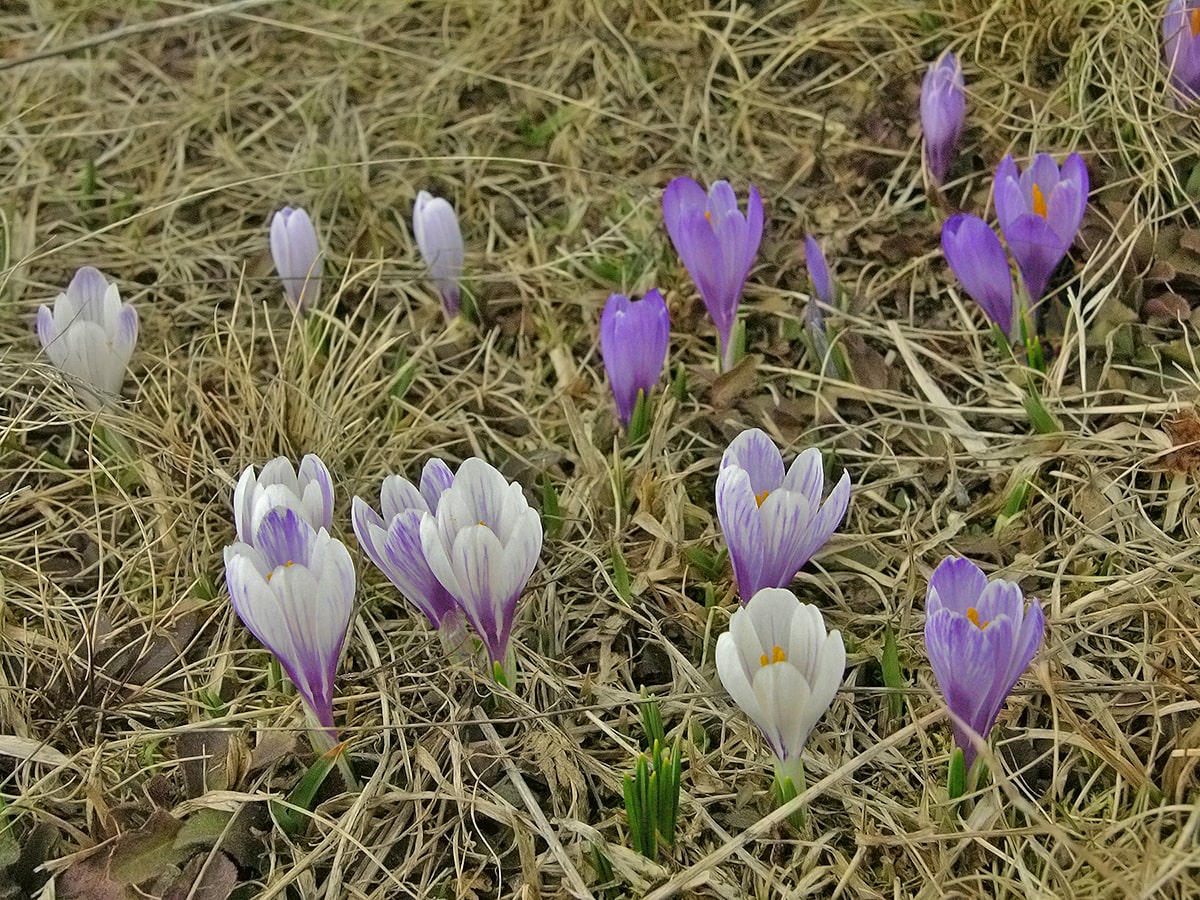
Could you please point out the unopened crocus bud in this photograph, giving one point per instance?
(943, 105)
(297, 255)
(818, 270)
(634, 337)
(1181, 46)
(90, 336)
(977, 258)
(440, 241)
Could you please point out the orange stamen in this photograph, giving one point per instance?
(1195, 21)
(973, 618)
(286, 565)
(777, 656)
(708, 216)
(759, 498)
(1039, 201)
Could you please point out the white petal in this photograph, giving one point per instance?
(787, 711)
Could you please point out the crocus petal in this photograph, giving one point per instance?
(818, 270)
(943, 106)
(296, 252)
(977, 259)
(955, 584)
(436, 477)
(755, 452)
(742, 527)
(440, 241)
(1037, 251)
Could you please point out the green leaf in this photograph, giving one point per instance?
(621, 576)
(551, 512)
(956, 778)
(291, 818)
(652, 722)
(893, 678)
(639, 422)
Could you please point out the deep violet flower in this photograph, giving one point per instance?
(1040, 210)
(1181, 46)
(976, 256)
(717, 244)
(980, 639)
(773, 523)
(634, 338)
(943, 106)
(818, 270)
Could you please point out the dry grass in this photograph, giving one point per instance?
(553, 126)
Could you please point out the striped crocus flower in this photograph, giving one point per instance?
(308, 491)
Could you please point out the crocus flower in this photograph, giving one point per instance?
(393, 542)
(782, 669)
(1040, 211)
(979, 638)
(309, 492)
(1181, 46)
(440, 241)
(978, 259)
(482, 543)
(943, 104)
(90, 336)
(294, 589)
(717, 245)
(634, 337)
(818, 270)
(772, 522)
(297, 255)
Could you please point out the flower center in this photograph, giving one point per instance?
(286, 565)
(1039, 202)
(1195, 21)
(761, 497)
(777, 656)
(973, 618)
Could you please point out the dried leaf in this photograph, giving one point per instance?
(1184, 431)
(737, 382)
(205, 878)
(205, 759)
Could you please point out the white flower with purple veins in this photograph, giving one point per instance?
(294, 589)
(440, 241)
(309, 492)
(297, 255)
(774, 522)
(393, 542)
(782, 669)
(482, 544)
(90, 336)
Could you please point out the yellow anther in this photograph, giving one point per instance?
(1039, 201)
(973, 618)
(1195, 21)
(777, 656)
(285, 565)
(708, 216)
(760, 497)
(481, 522)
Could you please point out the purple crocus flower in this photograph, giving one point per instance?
(440, 241)
(294, 589)
(772, 522)
(309, 491)
(482, 544)
(1181, 46)
(818, 270)
(980, 639)
(1040, 211)
(978, 259)
(943, 105)
(393, 542)
(717, 245)
(297, 255)
(634, 337)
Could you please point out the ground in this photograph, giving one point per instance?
(154, 140)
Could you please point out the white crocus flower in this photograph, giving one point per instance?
(482, 544)
(309, 492)
(782, 669)
(90, 336)
(440, 241)
(297, 255)
(294, 590)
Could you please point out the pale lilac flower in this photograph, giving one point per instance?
(294, 589)
(779, 665)
(482, 544)
(297, 255)
(393, 542)
(89, 336)
(440, 241)
(978, 259)
(309, 492)
(1181, 46)
(943, 106)
(1040, 211)
(634, 338)
(717, 244)
(773, 523)
(980, 639)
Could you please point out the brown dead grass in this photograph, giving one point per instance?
(553, 126)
